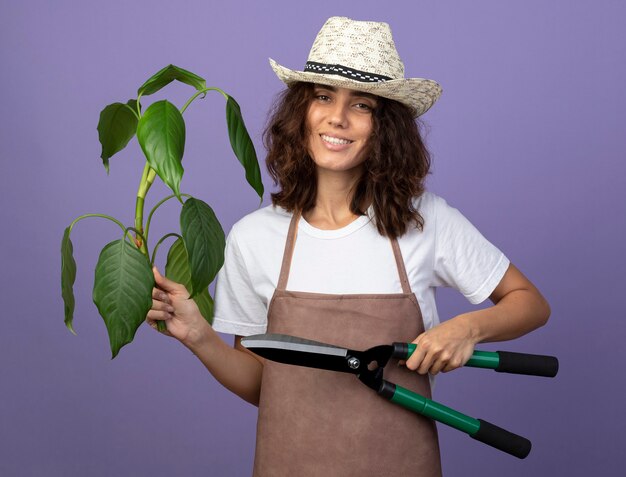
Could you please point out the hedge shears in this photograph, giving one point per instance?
(368, 366)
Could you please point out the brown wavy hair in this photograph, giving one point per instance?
(393, 174)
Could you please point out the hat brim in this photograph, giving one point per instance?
(419, 94)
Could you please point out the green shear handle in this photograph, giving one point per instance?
(483, 431)
(500, 361)
(478, 429)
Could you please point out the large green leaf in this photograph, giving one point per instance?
(68, 276)
(166, 76)
(161, 134)
(204, 240)
(242, 145)
(116, 127)
(177, 269)
(122, 291)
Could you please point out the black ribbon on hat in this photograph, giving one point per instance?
(344, 71)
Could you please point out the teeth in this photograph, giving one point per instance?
(335, 140)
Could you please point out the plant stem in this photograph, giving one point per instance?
(138, 107)
(132, 111)
(98, 215)
(156, 247)
(136, 232)
(202, 91)
(147, 231)
(147, 178)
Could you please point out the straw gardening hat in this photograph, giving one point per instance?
(361, 56)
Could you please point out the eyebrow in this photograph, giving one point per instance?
(353, 93)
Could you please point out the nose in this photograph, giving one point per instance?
(338, 114)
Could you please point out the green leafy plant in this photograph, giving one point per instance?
(123, 277)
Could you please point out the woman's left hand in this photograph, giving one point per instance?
(444, 347)
(518, 308)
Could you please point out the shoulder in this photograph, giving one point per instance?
(429, 203)
(261, 227)
(441, 222)
(432, 208)
(260, 219)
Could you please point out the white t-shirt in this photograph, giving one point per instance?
(449, 251)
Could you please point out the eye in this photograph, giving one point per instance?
(322, 97)
(365, 107)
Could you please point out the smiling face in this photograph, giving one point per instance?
(339, 122)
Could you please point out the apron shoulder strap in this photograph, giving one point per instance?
(288, 253)
(404, 279)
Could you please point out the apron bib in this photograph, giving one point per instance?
(323, 423)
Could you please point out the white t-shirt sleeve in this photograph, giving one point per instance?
(238, 308)
(464, 259)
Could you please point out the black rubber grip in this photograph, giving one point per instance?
(532, 364)
(502, 439)
(387, 390)
(400, 351)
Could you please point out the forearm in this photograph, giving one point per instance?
(518, 309)
(517, 313)
(237, 370)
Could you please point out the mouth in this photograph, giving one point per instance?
(337, 141)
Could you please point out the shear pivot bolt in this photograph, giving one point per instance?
(354, 363)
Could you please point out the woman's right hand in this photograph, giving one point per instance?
(238, 370)
(171, 303)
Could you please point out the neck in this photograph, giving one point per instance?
(335, 191)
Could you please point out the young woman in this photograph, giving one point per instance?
(349, 253)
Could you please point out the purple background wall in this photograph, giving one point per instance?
(528, 141)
